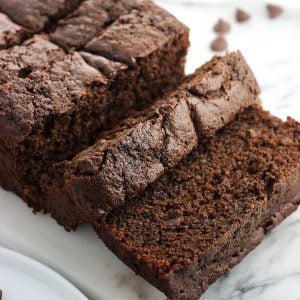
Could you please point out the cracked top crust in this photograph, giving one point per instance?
(36, 14)
(119, 30)
(91, 17)
(10, 33)
(136, 34)
(124, 162)
(109, 68)
(40, 78)
(62, 79)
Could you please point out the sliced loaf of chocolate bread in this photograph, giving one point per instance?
(54, 102)
(205, 215)
(125, 161)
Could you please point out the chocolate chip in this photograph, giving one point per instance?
(252, 133)
(219, 44)
(274, 11)
(222, 26)
(0, 294)
(242, 16)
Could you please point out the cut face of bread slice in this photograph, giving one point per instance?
(205, 215)
(126, 160)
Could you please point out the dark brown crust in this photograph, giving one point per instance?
(11, 34)
(198, 283)
(37, 14)
(55, 103)
(122, 165)
(188, 280)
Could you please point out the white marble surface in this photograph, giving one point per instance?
(272, 270)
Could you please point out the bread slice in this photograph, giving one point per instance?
(205, 215)
(54, 102)
(125, 161)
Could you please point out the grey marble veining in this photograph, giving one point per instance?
(272, 270)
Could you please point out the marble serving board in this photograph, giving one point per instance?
(272, 270)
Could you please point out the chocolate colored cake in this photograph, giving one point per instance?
(55, 102)
(174, 191)
(205, 215)
(126, 160)
(37, 14)
(10, 33)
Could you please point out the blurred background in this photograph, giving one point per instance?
(271, 46)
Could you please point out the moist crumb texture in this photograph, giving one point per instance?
(203, 216)
(55, 100)
(126, 160)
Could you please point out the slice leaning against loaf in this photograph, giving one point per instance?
(203, 216)
(125, 161)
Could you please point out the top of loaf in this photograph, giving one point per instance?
(123, 162)
(10, 33)
(37, 14)
(44, 76)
